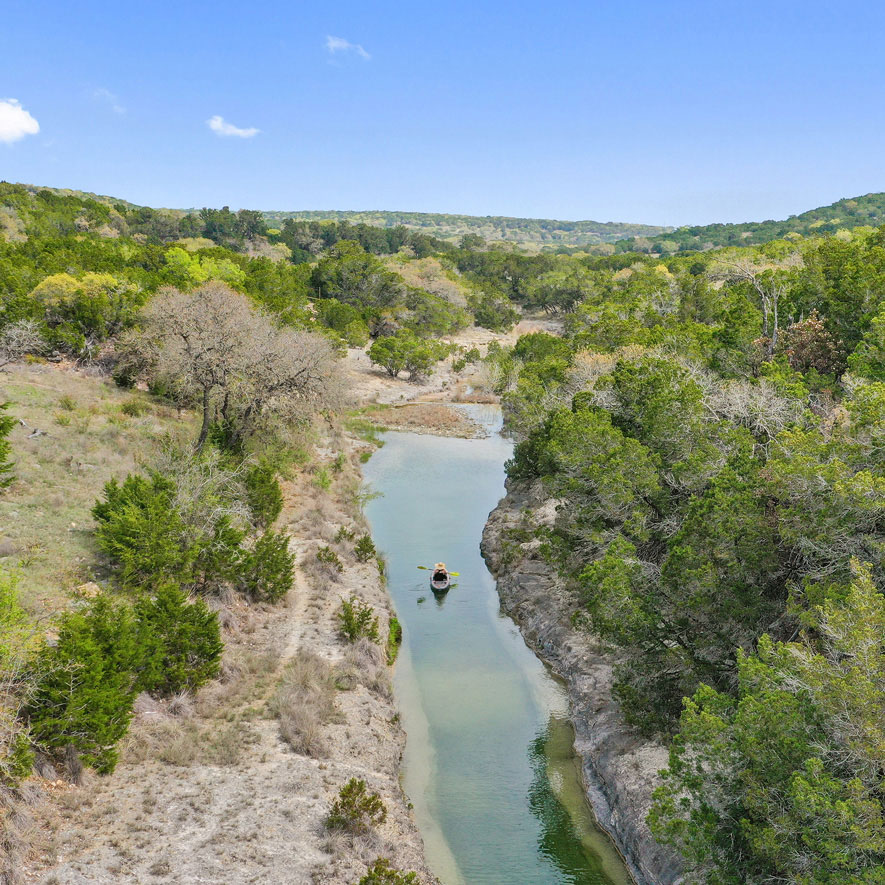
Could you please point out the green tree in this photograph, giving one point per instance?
(784, 781)
(86, 684)
(180, 642)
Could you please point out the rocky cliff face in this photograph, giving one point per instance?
(620, 766)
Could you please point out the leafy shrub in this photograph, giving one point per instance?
(327, 556)
(7, 422)
(405, 351)
(141, 532)
(365, 549)
(16, 757)
(382, 873)
(266, 571)
(134, 407)
(357, 619)
(86, 684)
(323, 480)
(263, 494)
(181, 642)
(394, 639)
(343, 534)
(356, 809)
(493, 312)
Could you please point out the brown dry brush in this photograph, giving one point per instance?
(304, 703)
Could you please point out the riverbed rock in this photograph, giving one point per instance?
(620, 766)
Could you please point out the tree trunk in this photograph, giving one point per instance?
(207, 419)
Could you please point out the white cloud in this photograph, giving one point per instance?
(221, 127)
(108, 97)
(15, 121)
(339, 44)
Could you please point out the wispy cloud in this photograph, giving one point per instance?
(15, 121)
(105, 96)
(221, 127)
(334, 45)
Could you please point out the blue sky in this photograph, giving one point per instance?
(660, 112)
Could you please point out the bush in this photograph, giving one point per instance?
(134, 407)
(394, 639)
(343, 534)
(7, 422)
(365, 549)
(181, 640)
(266, 572)
(357, 619)
(382, 873)
(142, 533)
(16, 757)
(263, 494)
(406, 351)
(356, 809)
(86, 684)
(327, 556)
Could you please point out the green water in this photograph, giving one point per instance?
(489, 763)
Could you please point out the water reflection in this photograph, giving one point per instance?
(569, 837)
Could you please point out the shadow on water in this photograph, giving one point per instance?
(570, 838)
(488, 763)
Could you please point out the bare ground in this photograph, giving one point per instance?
(208, 791)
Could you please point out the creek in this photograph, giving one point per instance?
(489, 764)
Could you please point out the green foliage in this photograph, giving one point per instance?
(382, 873)
(141, 532)
(266, 571)
(784, 781)
(16, 641)
(327, 556)
(405, 351)
(868, 358)
(263, 493)
(365, 548)
(391, 230)
(7, 422)
(86, 684)
(356, 809)
(180, 642)
(357, 619)
(493, 311)
(394, 639)
(842, 215)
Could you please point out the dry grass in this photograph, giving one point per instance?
(365, 664)
(304, 703)
(45, 515)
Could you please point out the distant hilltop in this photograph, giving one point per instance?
(535, 234)
(522, 231)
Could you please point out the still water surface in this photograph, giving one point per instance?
(489, 763)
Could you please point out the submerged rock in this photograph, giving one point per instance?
(620, 766)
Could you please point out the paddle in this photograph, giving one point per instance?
(427, 568)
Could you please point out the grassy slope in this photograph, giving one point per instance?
(45, 520)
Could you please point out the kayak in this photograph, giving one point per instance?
(440, 580)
